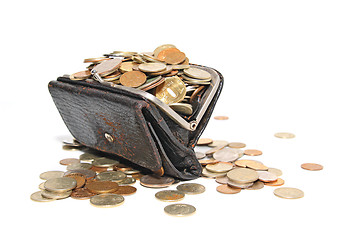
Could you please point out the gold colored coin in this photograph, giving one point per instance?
(242, 175)
(220, 167)
(256, 166)
(227, 189)
(204, 141)
(169, 195)
(133, 79)
(95, 60)
(127, 66)
(284, 135)
(244, 162)
(106, 200)
(152, 67)
(51, 174)
(101, 187)
(207, 161)
(197, 73)
(42, 186)
(191, 188)
(288, 193)
(80, 75)
(252, 152)
(37, 197)
(172, 90)
(278, 182)
(209, 174)
(161, 48)
(236, 145)
(171, 56)
(312, 166)
(180, 210)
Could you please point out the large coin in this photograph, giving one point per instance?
(197, 73)
(191, 188)
(284, 135)
(242, 175)
(180, 210)
(161, 48)
(101, 187)
(171, 56)
(169, 195)
(152, 181)
(133, 79)
(107, 200)
(226, 155)
(173, 90)
(152, 67)
(288, 192)
(220, 167)
(61, 184)
(51, 174)
(312, 166)
(37, 197)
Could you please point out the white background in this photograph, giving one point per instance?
(285, 69)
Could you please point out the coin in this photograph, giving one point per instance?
(220, 167)
(204, 141)
(104, 162)
(42, 186)
(284, 135)
(51, 174)
(312, 166)
(172, 90)
(127, 181)
(256, 185)
(242, 175)
(239, 185)
(266, 176)
(80, 75)
(171, 56)
(161, 48)
(122, 167)
(153, 84)
(221, 118)
(153, 181)
(101, 186)
(190, 79)
(224, 188)
(131, 172)
(37, 197)
(107, 67)
(76, 166)
(125, 190)
(278, 182)
(216, 143)
(114, 176)
(55, 195)
(256, 166)
(152, 67)
(183, 108)
(197, 73)
(244, 162)
(236, 145)
(288, 193)
(252, 152)
(100, 169)
(168, 69)
(80, 179)
(60, 184)
(169, 195)
(88, 157)
(89, 174)
(68, 161)
(81, 194)
(214, 150)
(209, 174)
(106, 200)
(226, 155)
(207, 161)
(275, 171)
(95, 60)
(127, 66)
(180, 210)
(191, 188)
(133, 79)
(195, 93)
(149, 82)
(200, 155)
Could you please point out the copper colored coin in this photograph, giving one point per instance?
(157, 83)
(252, 152)
(207, 161)
(81, 194)
(137, 176)
(278, 182)
(163, 54)
(204, 141)
(169, 195)
(121, 167)
(195, 93)
(89, 174)
(125, 190)
(80, 75)
(80, 179)
(174, 57)
(152, 181)
(221, 117)
(68, 161)
(312, 166)
(101, 187)
(236, 145)
(99, 169)
(133, 79)
(227, 189)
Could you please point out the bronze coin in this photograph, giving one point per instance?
(312, 166)
(174, 57)
(153, 181)
(164, 53)
(172, 73)
(99, 169)
(125, 190)
(101, 187)
(224, 188)
(122, 167)
(89, 174)
(137, 176)
(133, 79)
(204, 141)
(80, 179)
(236, 145)
(68, 161)
(221, 117)
(195, 93)
(81, 194)
(80, 75)
(252, 152)
(278, 182)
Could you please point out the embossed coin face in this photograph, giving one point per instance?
(226, 155)
(37, 197)
(221, 118)
(61, 184)
(242, 175)
(125, 190)
(169, 195)
(204, 141)
(266, 176)
(278, 182)
(106, 200)
(284, 135)
(312, 166)
(288, 193)
(114, 176)
(133, 79)
(152, 67)
(180, 210)
(51, 174)
(68, 161)
(236, 145)
(172, 90)
(197, 73)
(220, 167)
(171, 56)
(101, 187)
(153, 181)
(191, 188)
(252, 152)
(227, 189)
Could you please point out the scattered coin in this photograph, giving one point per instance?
(106, 200)
(216, 143)
(125, 190)
(222, 180)
(173, 90)
(275, 171)
(312, 166)
(180, 210)
(204, 141)
(244, 162)
(227, 189)
(256, 166)
(88, 157)
(101, 187)
(37, 197)
(278, 182)
(104, 162)
(242, 175)
(256, 186)
(236, 145)
(288, 192)
(61, 184)
(191, 188)
(220, 167)
(266, 176)
(252, 152)
(207, 161)
(169, 195)
(284, 135)
(114, 176)
(89, 174)
(81, 194)
(153, 181)
(221, 118)
(51, 174)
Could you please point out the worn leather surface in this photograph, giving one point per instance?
(142, 133)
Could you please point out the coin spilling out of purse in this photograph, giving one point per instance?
(166, 73)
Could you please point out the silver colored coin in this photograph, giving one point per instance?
(183, 108)
(256, 186)
(214, 150)
(191, 188)
(266, 176)
(88, 157)
(239, 185)
(220, 167)
(37, 197)
(61, 184)
(152, 67)
(114, 176)
(107, 67)
(106, 200)
(181, 66)
(216, 143)
(288, 193)
(127, 181)
(197, 73)
(77, 166)
(131, 171)
(55, 195)
(226, 155)
(169, 195)
(200, 155)
(51, 174)
(104, 162)
(222, 180)
(180, 210)
(195, 79)
(197, 82)
(209, 174)
(275, 171)
(242, 175)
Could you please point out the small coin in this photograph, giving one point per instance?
(221, 118)
(266, 176)
(127, 181)
(209, 174)
(226, 155)
(216, 143)
(51, 174)
(37, 197)
(284, 135)
(152, 67)
(222, 180)
(133, 79)
(256, 166)
(81, 194)
(172, 90)
(275, 171)
(312, 166)
(89, 174)
(153, 181)
(256, 186)
(101, 187)
(114, 176)
(224, 188)
(107, 67)
(180, 210)
(191, 188)
(197, 73)
(61, 184)
(56, 195)
(278, 182)
(236, 145)
(220, 167)
(252, 152)
(80, 179)
(68, 161)
(169, 195)
(242, 175)
(106, 200)
(76, 166)
(104, 162)
(207, 161)
(204, 141)
(288, 193)
(200, 155)
(183, 108)
(239, 185)
(125, 190)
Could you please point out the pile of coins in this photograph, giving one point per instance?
(166, 73)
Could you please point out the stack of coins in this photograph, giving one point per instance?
(165, 73)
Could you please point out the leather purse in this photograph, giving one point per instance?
(134, 125)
